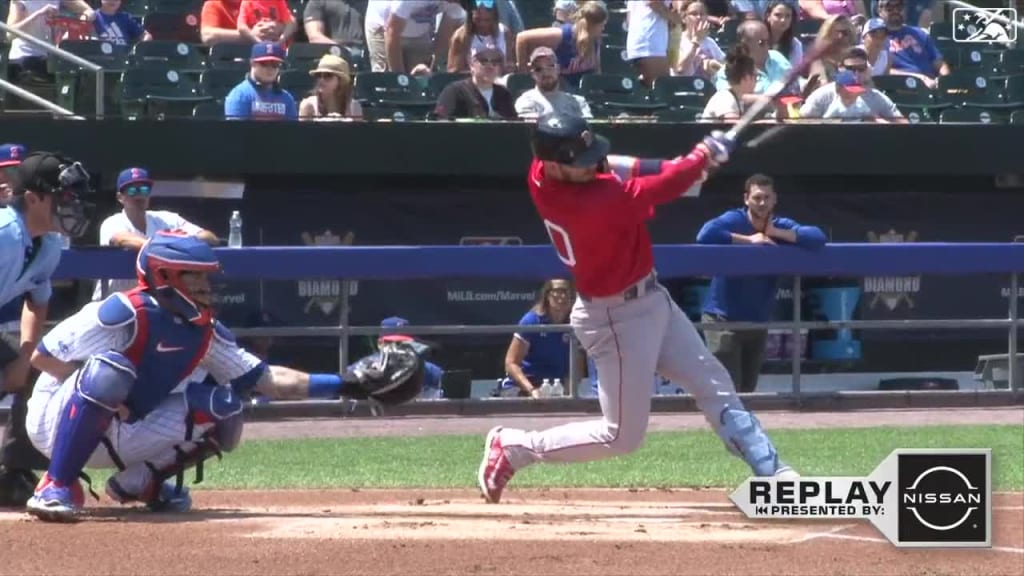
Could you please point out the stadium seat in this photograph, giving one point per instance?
(175, 6)
(969, 88)
(807, 29)
(613, 60)
(615, 29)
(152, 92)
(683, 92)
(438, 80)
(983, 62)
(179, 27)
(1011, 62)
(76, 88)
(1014, 91)
(392, 91)
(1017, 117)
(941, 30)
(970, 115)
(297, 82)
(518, 83)
(229, 56)
(167, 54)
(217, 82)
(208, 111)
(613, 95)
(915, 100)
(305, 56)
(678, 115)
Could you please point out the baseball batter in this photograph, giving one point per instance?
(595, 209)
(122, 385)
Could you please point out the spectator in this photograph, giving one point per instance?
(647, 37)
(546, 94)
(259, 96)
(534, 356)
(135, 223)
(564, 11)
(838, 30)
(918, 12)
(848, 99)
(478, 96)
(374, 26)
(432, 372)
(334, 22)
(30, 17)
(720, 12)
(911, 50)
(741, 75)
(10, 159)
(750, 9)
(218, 23)
(267, 21)
(822, 9)
(577, 45)
(411, 44)
(748, 299)
(771, 66)
(510, 17)
(117, 26)
(482, 28)
(699, 54)
(331, 99)
(876, 45)
(780, 17)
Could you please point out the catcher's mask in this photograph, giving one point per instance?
(162, 262)
(66, 180)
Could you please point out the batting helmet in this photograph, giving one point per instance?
(567, 139)
(160, 264)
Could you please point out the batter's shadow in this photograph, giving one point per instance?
(141, 515)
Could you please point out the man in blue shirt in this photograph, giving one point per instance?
(259, 96)
(46, 199)
(748, 298)
(911, 50)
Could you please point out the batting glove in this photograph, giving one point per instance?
(720, 146)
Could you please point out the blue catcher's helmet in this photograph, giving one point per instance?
(160, 264)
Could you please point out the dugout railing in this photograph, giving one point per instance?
(540, 262)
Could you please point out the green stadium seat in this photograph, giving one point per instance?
(179, 27)
(438, 80)
(613, 60)
(678, 115)
(683, 92)
(176, 6)
(941, 30)
(208, 111)
(807, 29)
(969, 88)
(1017, 117)
(909, 94)
(1014, 91)
(305, 56)
(167, 54)
(297, 82)
(218, 82)
(971, 115)
(152, 92)
(518, 83)
(615, 29)
(982, 62)
(392, 91)
(76, 88)
(229, 56)
(613, 95)
(1011, 62)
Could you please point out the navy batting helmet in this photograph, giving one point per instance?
(160, 264)
(567, 139)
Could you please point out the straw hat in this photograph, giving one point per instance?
(331, 64)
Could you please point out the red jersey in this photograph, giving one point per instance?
(599, 228)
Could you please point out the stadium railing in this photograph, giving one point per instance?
(540, 262)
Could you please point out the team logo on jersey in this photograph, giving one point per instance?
(892, 290)
(323, 294)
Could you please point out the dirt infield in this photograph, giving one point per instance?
(533, 532)
(551, 532)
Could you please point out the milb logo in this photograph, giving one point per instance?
(944, 499)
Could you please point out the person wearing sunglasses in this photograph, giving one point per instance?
(478, 96)
(547, 94)
(46, 201)
(850, 97)
(10, 158)
(135, 223)
(259, 96)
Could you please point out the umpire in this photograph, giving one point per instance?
(47, 198)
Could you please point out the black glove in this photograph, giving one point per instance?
(393, 375)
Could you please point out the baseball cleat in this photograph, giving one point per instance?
(55, 503)
(786, 473)
(165, 499)
(495, 469)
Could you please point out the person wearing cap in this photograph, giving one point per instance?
(875, 43)
(482, 28)
(912, 50)
(432, 372)
(331, 98)
(546, 94)
(10, 158)
(259, 96)
(848, 98)
(577, 44)
(47, 200)
(478, 96)
(135, 223)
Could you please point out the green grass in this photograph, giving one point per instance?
(668, 459)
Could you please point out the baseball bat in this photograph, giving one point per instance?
(773, 94)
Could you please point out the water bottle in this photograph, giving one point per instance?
(558, 389)
(235, 235)
(545, 388)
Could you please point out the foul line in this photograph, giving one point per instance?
(833, 534)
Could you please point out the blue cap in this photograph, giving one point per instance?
(849, 81)
(133, 176)
(394, 322)
(267, 52)
(11, 154)
(872, 25)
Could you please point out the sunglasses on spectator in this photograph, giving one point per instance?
(539, 69)
(491, 61)
(140, 190)
(856, 67)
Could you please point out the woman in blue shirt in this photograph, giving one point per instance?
(534, 356)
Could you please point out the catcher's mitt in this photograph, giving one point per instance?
(393, 375)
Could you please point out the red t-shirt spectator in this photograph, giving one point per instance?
(253, 11)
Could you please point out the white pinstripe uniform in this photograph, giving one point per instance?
(150, 439)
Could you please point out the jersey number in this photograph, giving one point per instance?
(560, 239)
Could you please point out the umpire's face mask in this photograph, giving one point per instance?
(70, 212)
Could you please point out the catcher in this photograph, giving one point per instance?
(121, 385)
